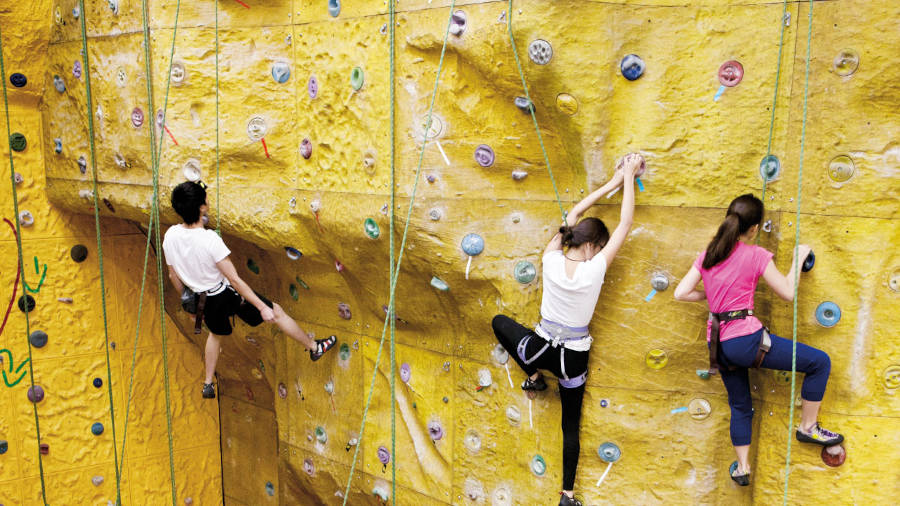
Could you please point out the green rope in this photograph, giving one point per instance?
(218, 218)
(787, 464)
(390, 315)
(15, 199)
(85, 56)
(537, 129)
(389, 318)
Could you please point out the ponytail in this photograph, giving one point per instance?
(743, 213)
(567, 235)
(588, 230)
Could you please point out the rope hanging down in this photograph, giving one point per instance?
(784, 21)
(21, 267)
(389, 318)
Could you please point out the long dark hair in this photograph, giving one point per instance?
(588, 230)
(744, 212)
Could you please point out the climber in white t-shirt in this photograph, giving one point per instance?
(574, 265)
(199, 261)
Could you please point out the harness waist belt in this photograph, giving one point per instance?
(559, 333)
(717, 319)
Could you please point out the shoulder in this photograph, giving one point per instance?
(553, 255)
(759, 251)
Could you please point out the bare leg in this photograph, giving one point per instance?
(290, 327)
(809, 413)
(743, 457)
(212, 356)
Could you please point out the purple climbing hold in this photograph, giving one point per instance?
(484, 155)
(76, 69)
(384, 456)
(137, 117)
(35, 393)
(405, 372)
(435, 430)
(306, 148)
(344, 311)
(312, 87)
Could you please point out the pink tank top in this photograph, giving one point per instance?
(730, 286)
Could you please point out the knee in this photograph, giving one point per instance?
(821, 363)
(497, 322)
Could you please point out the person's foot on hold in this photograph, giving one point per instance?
(819, 435)
(534, 384)
(565, 500)
(322, 345)
(740, 477)
(209, 391)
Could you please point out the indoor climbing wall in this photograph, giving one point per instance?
(64, 342)
(283, 108)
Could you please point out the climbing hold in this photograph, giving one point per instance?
(38, 338)
(79, 253)
(846, 62)
(538, 466)
(369, 161)
(321, 436)
(405, 372)
(604, 403)
(282, 390)
(809, 262)
(17, 142)
(446, 399)
(178, 73)
(435, 430)
(473, 490)
(256, 128)
(656, 359)
(513, 416)
(767, 226)
(632, 67)
(524, 272)
(98, 382)
(381, 490)
(731, 73)
(121, 77)
(256, 373)
(76, 69)
(699, 409)
(703, 373)
(191, 170)
(306, 148)
(834, 456)
(188, 501)
(137, 117)
(344, 351)
(251, 264)
(76, 12)
(828, 314)
(892, 377)
(312, 87)
(484, 378)
(59, 84)
(540, 51)
(457, 23)
(329, 385)
(357, 78)
(770, 167)
(384, 456)
(97, 481)
(334, 7)
(292, 253)
(344, 311)
(4, 446)
(499, 354)
(97, 429)
(338, 266)
(113, 6)
(472, 441)
(434, 214)
(18, 80)
(501, 496)
(44, 448)
(439, 284)
(519, 175)
(524, 104)
(472, 244)
(659, 282)
(57, 16)
(308, 467)
(270, 489)
(371, 228)
(484, 155)
(26, 303)
(35, 393)
(57, 145)
(446, 366)
(121, 162)
(566, 104)
(841, 169)
(281, 72)
(82, 164)
(609, 452)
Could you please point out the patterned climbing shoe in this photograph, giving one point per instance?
(209, 391)
(535, 385)
(819, 436)
(322, 345)
(565, 500)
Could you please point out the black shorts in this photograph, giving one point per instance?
(222, 306)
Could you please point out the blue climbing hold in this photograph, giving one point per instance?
(809, 263)
(632, 67)
(270, 489)
(828, 314)
(59, 84)
(97, 429)
(57, 145)
(334, 7)
(4, 446)
(281, 72)
(769, 167)
(18, 80)
(609, 452)
(98, 382)
(38, 339)
(472, 244)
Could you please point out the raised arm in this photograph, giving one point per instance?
(783, 286)
(227, 269)
(626, 216)
(687, 291)
(582, 206)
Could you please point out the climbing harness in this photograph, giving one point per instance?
(715, 344)
(561, 334)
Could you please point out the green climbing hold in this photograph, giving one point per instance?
(344, 351)
(372, 228)
(17, 142)
(357, 78)
(301, 282)
(439, 283)
(254, 268)
(295, 294)
(525, 272)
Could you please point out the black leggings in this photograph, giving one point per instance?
(510, 334)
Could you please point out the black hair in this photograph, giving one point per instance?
(588, 230)
(187, 199)
(744, 212)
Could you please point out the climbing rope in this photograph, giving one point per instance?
(21, 267)
(395, 271)
(93, 153)
(512, 41)
(218, 218)
(787, 464)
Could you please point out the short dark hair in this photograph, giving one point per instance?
(187, 199)
(589, 230)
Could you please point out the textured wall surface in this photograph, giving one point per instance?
(68, 309)
(286, 423)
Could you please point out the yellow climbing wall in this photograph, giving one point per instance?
(305, 160)
(79, 467)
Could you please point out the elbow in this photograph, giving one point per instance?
(789, 296)
(679, 296)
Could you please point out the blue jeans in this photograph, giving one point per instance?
(740, 352)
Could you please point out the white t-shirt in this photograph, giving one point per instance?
(194, 252)
(571, 302)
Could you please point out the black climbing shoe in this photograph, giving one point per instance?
(535, 385)
(741, 479)
(565, 500)
(819, 436)
(322, 345)
(209, 392)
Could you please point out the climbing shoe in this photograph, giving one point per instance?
(322, 345)
(535, 385)
(819, 436)
(741, 479)
(209, 391)
(565, 500)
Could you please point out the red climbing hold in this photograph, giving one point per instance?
(834, 456)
